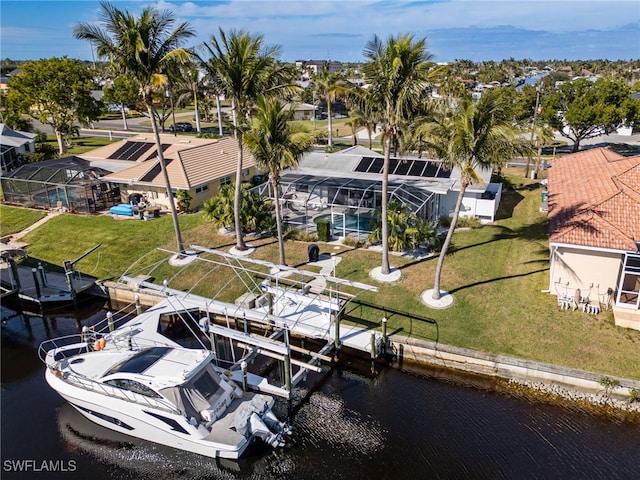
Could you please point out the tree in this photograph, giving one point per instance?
(585, 109)
(397, 74)
(140, 48)
(241, 68)
(275, 146)
(329, 86)
(255, 213)
(57, 92)
(406, 229)
(470, 137)
(123, 93)
(189, 86)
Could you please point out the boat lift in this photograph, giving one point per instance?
(279, 306)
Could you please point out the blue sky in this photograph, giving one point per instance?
(317, 29)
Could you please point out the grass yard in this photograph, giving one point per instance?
(495, 273)
(14, 219)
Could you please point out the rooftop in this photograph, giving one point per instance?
(594, 200)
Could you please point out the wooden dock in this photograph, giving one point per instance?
(36, 285)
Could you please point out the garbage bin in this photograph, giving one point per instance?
(314, 252)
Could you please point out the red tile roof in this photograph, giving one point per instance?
(594, 200)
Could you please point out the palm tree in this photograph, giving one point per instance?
(329, 86)
(140, 48)
(189, 86)
(397, 74)
(241, 68)
(276, 145)
(472, 136)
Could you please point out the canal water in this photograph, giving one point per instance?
(404, 423)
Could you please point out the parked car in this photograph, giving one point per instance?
(181, 127)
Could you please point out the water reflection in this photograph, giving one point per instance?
(403, 423)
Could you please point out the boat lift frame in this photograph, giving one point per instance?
(280, 323)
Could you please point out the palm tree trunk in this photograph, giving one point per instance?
(240, 245)
(219, 109)
(447, 241)
(385, 270)
(329, 123)
(163, 167)
(197, 111)
(276, 196)
(124, 117)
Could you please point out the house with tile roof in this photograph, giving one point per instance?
(196, 165)
(594, 230)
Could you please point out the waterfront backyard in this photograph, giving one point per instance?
(496, 274)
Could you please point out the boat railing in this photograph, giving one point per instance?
(62, 347)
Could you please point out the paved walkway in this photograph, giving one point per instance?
(13, 241)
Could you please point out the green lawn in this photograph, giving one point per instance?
(495, 273)
(14, 220)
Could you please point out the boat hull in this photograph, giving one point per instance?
(142, 422)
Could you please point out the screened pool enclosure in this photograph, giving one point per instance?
(66, 183)
(349, 204)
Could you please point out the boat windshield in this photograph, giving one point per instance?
(139, 362)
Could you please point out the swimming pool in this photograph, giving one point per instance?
(353, 223)
(52, 197)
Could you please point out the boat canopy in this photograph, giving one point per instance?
(198, 394)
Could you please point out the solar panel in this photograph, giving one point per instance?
(402, 167)
(154, 172)
(131, 151)
(154, 154)
(364, 164)
(376, 165)
(431, 170)
(417, 168)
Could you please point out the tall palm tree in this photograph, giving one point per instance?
(189, 86)
(329, 86)
(242, 68)
(397, 74)
(140, 48)
(470, 137)
(275, 146)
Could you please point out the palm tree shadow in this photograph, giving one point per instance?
(491, 280)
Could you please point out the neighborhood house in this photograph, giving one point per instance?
(594, 232)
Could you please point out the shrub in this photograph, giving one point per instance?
(468, 222)
(352, 242)
(444, 221)
(301, 236)
(324, 230)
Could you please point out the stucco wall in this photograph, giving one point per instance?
(588, 270)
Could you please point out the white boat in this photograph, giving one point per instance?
(161, 393)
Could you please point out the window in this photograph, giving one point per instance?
(226, 180)
(629, 291)
(132, 386)
(202, 189)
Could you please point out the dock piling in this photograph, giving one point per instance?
(245, 384)
(34, 272)
(138, 304)
(43, 276)
(373, 353)
(110, 321)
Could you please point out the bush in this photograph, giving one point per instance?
(444, 221)
(468, 222)
(324, 230)
(352, 242)
(301, 236)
